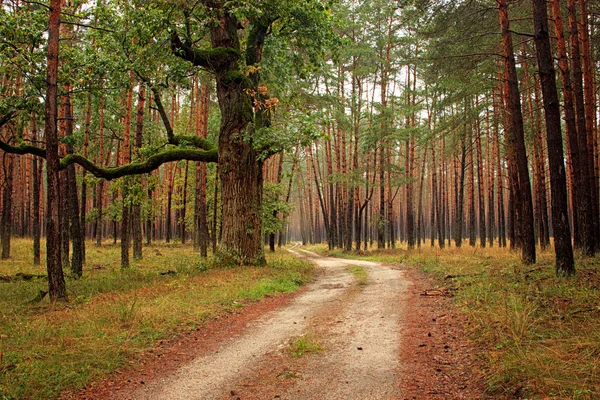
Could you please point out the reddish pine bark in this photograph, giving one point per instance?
(565, 265)
(56, 281)
(516, 143)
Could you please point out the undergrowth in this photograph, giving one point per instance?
(303, 345)
(540, 333)
(115, 315)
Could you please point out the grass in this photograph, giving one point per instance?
(114, 316)
(302, 345)
(359, 273)
(541, 333)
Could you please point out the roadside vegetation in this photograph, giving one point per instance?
(360, 274)
(304, 344)
(540, 334)
(114, 315)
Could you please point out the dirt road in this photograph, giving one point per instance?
(356, 324)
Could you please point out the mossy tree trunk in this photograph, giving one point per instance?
(240, 167)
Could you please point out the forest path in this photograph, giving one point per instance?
(356, 324)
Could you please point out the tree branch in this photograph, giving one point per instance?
(5, 119)
(138, 168)
(162, 112)
(171, 137)
(208, 154)
(212, 60)
(22, 149)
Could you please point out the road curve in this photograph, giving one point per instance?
(358, 326)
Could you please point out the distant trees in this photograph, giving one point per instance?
(449, 140)
(418, 129)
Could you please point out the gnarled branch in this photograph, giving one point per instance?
(208, 153)
(211, 59)
(138, 168)
(22, 149)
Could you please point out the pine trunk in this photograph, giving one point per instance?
(56, 281)
(565, 265)
(585, 213)
(516, 143)
(7, 204)
(136, 208)
(201, 237)
(73, 222)
(126, 195)
(36, 165)
(480, 185)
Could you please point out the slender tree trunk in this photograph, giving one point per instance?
(100, 184)
(71, 197)
(590, 116)
(35, 166)
(201, 236)
(516, 141)
(480, 185)
(420, 227)
(184, 203)
(56, 281)
(126, 159)
(491, 215)
(136, 207)
(565, 265)
(586, 217)
(500, 185)
(471, 186)
(8, 161)
(539, 160)
(150, 217)
(332, 232)
(410, 213)
(215, 236)
(458, 223)
(86, 143)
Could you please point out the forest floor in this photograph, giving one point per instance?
(360, 330)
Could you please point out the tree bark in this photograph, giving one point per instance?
(586, 216)
(36, 164)
(73, 221)
(7, 204)
(471, 185)
(516, 141)
(56, 281)
(136, 207)
(460, 196)
(201, 236)
(126, 195)
(590, 116)
(565, 265)
(100, 185)
(480, 183)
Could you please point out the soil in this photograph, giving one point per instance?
(378, 339)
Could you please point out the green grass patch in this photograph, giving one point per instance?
(302, 345)
(542, 333)
(360, 274)
(115, 315)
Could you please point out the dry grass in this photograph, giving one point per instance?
(113, 315)
(542, 333)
